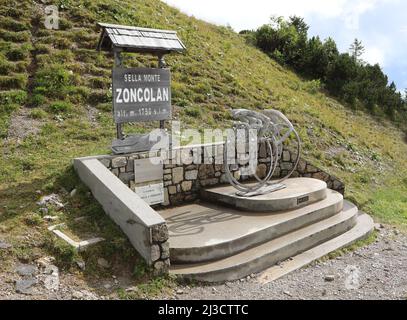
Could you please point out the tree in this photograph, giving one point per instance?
(356, 49)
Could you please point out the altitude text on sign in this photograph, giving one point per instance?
(141, 94)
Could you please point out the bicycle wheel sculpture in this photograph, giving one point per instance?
(273, 129)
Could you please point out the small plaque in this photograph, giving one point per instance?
(302, 200)
(147, 170)
(151, 193)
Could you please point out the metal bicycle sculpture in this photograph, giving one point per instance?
(273, 128)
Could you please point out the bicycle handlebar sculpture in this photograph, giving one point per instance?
(273, 129)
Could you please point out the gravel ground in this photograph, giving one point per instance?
(377, 271)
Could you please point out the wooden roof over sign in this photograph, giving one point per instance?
(135, 39)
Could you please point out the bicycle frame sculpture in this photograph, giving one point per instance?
(273, 129)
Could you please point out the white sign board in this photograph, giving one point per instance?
(151, 193)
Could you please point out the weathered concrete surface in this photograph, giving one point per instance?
(205, 231)
(299, 192)
(269, 253)
(126, 208)
(363, 227)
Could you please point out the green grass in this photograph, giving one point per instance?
(58, 74)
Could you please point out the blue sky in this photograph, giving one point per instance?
(380, 24)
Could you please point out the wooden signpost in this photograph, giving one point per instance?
(140, 94)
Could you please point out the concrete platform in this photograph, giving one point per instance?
(258, 258)
(299, 192)
(206, 231)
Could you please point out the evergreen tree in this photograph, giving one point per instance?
(356, 49)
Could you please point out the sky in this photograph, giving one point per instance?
(381, 25)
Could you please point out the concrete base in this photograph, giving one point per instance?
(212, 242)
(298, 192)
(206, 231)
(364, 226)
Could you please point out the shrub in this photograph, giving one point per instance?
(38, 114)
(13, 97)
(17, 53)
(194, 112)
(38, 100)
(60, 107)
(313, 86)
(12, 24)
(16, 81)
(54, 80)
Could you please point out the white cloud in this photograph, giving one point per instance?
(380, 24)
(375, 55)
(241, 14)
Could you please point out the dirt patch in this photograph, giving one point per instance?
(22, 125)
(92, 114)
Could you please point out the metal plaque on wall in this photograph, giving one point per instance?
(141, 94)
(151, 193)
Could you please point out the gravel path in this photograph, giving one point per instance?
(377, 271)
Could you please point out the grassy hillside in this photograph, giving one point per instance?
(55, 105)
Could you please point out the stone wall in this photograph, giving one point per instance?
(182, 182)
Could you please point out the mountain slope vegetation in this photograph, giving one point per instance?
(55, 105)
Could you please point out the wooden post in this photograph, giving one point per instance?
(118, 62)
(161, 65)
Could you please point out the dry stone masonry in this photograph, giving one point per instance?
(182, 182)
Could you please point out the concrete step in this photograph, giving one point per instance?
(364, 226)
(299, 192)
(204, 231)
(269, 253)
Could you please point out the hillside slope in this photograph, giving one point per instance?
(56, 105)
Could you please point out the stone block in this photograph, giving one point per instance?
(311, 169)
(236, 174)
(206, 171)
(155, 252)
(159, 233)
(321, 176)
(177, 175)
(286, 166)
(191, 167)
(161, 267)
(172, 189)
(130, 165)
(165, 250)
(337, 184)
(277, 172)
(261, 170)
(166, 197)
(209, 182)
(186, 185)
(105, 162)
(119, 162)
(126, 177)
(191, 175)
(286, 156)
(301, 166)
